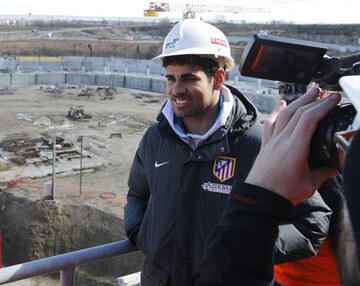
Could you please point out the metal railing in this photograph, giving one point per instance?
(65, 263)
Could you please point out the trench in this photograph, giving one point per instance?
(33, 229)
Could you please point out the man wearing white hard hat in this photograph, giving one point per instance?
(207, 135)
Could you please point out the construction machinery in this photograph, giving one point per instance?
(190, 10)
(77, 112)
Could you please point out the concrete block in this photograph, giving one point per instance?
(156, 68)
(138, 82)
(80, 78)
(50, 78)
(22, 79)
(263, 102)
(234, 73)
(86, 64)
(158, 85)
(51, 66)
(12, 65)
(119, 65)
(73, 63)
(72, 67)
(104, 79)
(3, 64)
(4, 79)
(136, 66)
(119, 80)
(74, 59)
(94, 63)
(29, 67)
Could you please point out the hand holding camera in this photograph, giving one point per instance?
(286, 145)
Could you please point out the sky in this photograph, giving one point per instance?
(297, 11)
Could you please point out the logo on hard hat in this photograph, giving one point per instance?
(221, 42)
(171, 44)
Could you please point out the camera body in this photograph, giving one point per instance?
(301, 62)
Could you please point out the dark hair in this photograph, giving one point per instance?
(208, 65)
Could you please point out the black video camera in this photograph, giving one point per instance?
(297, 61)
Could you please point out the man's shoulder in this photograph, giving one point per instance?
(152, 130)
(250, 128)
(156, 131)
(255, 128)
(252, 136)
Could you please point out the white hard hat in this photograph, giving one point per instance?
(195, 37)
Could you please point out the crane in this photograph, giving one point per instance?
(190, 10)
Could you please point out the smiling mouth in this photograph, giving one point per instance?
(181, 101)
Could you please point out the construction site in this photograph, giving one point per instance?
(95, 135)
(75, 104)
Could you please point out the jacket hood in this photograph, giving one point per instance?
(244, 114)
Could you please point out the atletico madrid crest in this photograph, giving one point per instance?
(224, 168)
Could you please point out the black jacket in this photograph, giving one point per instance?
(240, 250)
(177, 196)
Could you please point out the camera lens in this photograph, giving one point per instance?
(323, 149)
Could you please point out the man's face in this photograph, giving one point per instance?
(190, 91)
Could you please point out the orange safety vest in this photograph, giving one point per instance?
(314, 271)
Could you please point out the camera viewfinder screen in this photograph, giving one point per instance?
(282, 61)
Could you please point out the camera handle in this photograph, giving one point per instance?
(331, 71)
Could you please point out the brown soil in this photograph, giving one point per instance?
(95, 48)
(33, 229)
(123, 42)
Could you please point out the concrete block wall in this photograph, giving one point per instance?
(138, 82)
(104, 79)
(119, 80)
(264, 102)
(95, 63)
(19, 79)
(73, 66)
(51, 78)
(3, 64)
(158, 84)
(134, 66)
(83, 64)
(92, 64)
(4, 79)
(6, 64)
(28, 67)
(81, 78)
(13, 64)
(51, 66)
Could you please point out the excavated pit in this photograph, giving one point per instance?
(33, 229)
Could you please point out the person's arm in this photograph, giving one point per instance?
(306, 227)
(138, 195)
(240, 251)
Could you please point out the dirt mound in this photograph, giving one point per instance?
(34, 229)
